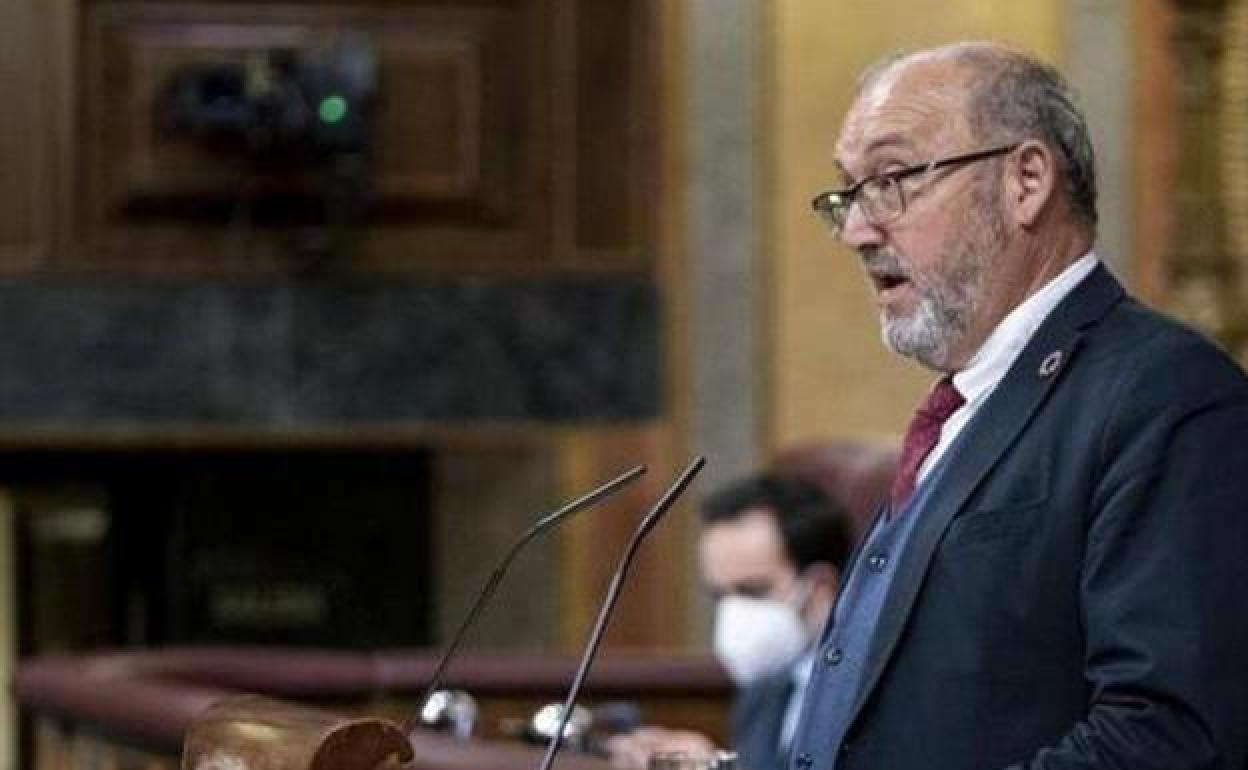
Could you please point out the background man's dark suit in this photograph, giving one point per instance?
(1074, 592)
(757, 721)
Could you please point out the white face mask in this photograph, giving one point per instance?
(757, 637)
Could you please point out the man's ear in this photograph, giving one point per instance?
(1031, 179)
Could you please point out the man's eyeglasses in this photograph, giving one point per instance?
(881, 196)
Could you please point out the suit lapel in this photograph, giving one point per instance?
(1002, 417)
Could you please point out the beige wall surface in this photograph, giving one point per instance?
(829, 373)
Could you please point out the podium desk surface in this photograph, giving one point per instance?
(147, 700)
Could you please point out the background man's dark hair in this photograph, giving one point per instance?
(812, 526)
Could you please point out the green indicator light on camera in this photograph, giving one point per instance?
(332, 109)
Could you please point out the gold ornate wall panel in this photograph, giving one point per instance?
(1234, 145)
(1197, 265)
(1207, 263)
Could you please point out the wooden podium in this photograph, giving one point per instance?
(251, 732)
(257, 733)
(184, 709)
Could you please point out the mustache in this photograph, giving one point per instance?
(878, 261)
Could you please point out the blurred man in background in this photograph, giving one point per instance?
(771, 551)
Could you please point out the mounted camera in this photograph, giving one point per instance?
(302, 117)
(285, 106)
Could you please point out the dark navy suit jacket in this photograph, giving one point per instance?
(1075, 593)
(757, 721)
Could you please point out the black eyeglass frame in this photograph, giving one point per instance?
(823, 203)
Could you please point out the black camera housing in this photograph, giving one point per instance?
(284, 106)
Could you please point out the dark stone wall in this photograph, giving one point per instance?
(313, 352)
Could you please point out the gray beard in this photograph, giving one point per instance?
(948, 302)
(930, 334)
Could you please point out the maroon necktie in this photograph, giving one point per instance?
(924, 432)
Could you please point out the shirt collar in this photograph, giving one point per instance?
(802, 668)
(994, 358)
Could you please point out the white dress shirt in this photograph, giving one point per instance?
(800, 671)
(988, 366)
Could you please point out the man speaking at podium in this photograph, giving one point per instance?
(1059, 578)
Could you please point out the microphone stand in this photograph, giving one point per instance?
(543, 524)
(608, 603)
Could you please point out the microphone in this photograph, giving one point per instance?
(543, 524)
(608, 603)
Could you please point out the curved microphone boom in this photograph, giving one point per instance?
(608, 603)
(542, 524)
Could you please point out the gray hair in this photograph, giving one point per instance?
(1015, 96)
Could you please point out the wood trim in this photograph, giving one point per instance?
(653, 606)
(151, 697)
(36, 36)
(1156, 150)
(196, 437)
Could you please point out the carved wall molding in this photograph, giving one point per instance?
(509, 136)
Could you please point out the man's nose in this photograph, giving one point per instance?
(859, 231)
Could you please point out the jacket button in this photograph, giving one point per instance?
(878, 562)
(833, 656)
(804, 761)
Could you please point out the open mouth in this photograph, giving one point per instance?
(886, 281)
